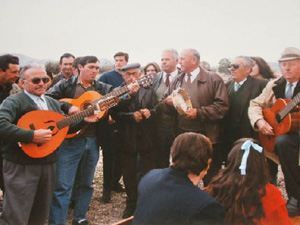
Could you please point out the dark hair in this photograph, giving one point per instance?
(191, 152)
(154, 64)
(239, 194)
(88, 59)
(76, 63)
(122, 54)
(7, 59)
(264, 68)
(52, 68)
(66, 55)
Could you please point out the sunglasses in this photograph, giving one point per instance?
(37, 80)
(235, 66)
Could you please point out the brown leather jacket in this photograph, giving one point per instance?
(214, 102)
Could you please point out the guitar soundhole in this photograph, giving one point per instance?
(86, 105)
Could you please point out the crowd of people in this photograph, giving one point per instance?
(161, 148)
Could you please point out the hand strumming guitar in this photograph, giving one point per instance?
(41, 136)
(264, 127)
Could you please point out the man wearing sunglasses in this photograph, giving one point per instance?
(286, 145)
(29, 181)
(241, 89)
(210, 103)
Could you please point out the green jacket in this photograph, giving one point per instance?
(11, 110)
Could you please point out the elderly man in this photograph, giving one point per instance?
(286, 145)
(29, 181)
(165, 137)
(136, 124)
(210, 103)
(241, 89)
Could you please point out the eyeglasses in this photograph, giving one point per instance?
(37, 80)
(235, 66)
(131, 74)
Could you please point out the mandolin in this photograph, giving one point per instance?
(58, 124)
(281, 120)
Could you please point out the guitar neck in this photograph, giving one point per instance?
(289, 107)
(115, 93)
(75, 118)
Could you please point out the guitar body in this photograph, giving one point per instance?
(83, 101)
(42, 119)
(283, 127)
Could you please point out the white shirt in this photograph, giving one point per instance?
(39, 100)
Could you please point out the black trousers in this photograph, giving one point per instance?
(287, 148)
(111, 163)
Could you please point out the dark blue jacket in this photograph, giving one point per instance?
(167, 196)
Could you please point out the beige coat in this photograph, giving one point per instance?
(265, 100)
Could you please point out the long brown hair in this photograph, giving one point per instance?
(239, 194)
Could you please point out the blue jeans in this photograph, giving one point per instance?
(80, 154)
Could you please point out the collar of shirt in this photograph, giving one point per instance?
(194, 74)
(90, 85)
(63, 78)
(172, 75)
(241, 82)
(36, 98)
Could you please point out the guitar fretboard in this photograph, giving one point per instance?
(289, 107)
(75, 118)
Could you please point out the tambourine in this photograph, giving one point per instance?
(181, 101)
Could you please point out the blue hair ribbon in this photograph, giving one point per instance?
(246, 147)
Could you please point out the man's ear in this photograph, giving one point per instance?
(208, 164)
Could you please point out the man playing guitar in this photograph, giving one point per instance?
(287, 144)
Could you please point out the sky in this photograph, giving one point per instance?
(45, 29)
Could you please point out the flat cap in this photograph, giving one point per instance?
(290, 53)
(131, 66)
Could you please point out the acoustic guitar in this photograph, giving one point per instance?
(58, 124)
(281, 119)
(93, 98)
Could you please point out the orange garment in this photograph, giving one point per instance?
(275, 208)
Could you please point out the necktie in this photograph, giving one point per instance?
(189, 80)
(289, 92)
(237, 87)
(167, 80)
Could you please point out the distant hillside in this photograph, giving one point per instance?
(26, 59)
(105, 64)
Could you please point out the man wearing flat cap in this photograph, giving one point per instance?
(286, 145)
(136, 125)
